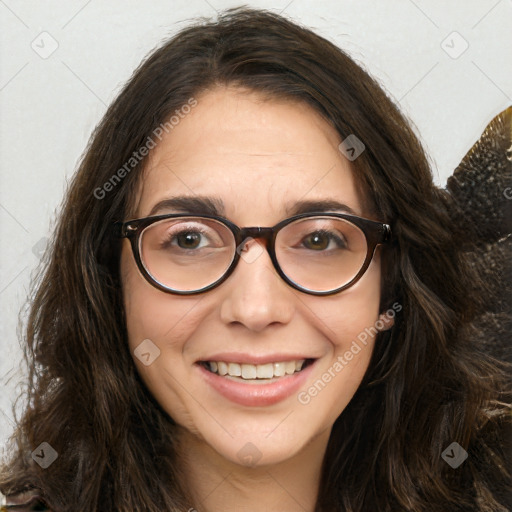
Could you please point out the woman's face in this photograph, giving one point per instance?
(258, 160)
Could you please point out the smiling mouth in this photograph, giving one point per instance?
(256, 372)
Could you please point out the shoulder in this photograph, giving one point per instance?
(25, 501)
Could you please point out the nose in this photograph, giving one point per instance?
(255, 296)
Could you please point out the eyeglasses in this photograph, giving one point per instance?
(316, 253)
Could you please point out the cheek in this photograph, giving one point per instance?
(159, 325)
(150, 313)
(347, 316)
(348, 323)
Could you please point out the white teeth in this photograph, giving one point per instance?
(222, 368)
(290, 367)
(265, 371)
(256, 371)
(234, 369)
(249, 371)
(279, 369)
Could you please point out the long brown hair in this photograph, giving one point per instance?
(426, 386)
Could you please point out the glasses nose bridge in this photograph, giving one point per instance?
(256, 232)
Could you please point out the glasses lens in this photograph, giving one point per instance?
(321, 253)
(187, 253)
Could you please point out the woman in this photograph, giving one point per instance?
(185, 356)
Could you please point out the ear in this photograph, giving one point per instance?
(387, 320)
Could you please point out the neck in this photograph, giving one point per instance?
(220, 484)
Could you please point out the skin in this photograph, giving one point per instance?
(259, 157)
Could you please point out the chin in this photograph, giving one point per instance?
(263, 441)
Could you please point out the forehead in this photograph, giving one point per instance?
(257, 156)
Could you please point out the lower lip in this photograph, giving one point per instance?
(256, 395)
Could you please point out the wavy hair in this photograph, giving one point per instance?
(427, 384)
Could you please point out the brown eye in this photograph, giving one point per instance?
(189, 240)
(323, 240)
(317, 241)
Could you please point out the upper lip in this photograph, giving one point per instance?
(233, 357)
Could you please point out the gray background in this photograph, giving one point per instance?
(62, 63)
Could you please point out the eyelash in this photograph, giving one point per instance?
(340, 242)
(171, 235)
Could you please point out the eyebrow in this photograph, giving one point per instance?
(214, 206)
(190, 204)
(320, 205)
